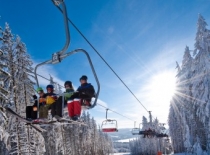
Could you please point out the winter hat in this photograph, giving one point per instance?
(68, 83)
(39, 90)
(84, 77)
(50, 86)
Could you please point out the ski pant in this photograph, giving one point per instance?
(30, 112)
(74, 107)
(43, 111)
(57, 107)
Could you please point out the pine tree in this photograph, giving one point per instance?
(190, 106)
(20, 87)
(16, 90)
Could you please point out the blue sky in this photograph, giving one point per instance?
(140, 39)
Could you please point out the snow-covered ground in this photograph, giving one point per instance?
(129, 154)
(125, 140)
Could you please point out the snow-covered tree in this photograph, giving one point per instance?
(190, 107)
(151, 144)
(19, 86)
(16, 90)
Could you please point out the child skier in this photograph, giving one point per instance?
(46, 100)
(57, 107)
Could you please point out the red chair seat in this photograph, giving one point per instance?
(109, 130)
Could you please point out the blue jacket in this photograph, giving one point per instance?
(85, 91)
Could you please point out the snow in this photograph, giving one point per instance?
(125, 140)
(163, 154)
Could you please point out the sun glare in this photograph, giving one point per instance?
(162, 87)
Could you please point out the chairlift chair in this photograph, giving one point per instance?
(135, 130)
(148, 132)
(162, 133)
(109, 125)
(141, 131)
(57, 57)
(109, 122)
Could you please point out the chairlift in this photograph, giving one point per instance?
(57, 57)
(109, 125)
(148, 132)
(141, 131)
(162, 133)
(135, 130)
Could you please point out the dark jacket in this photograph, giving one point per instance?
(85, 91)
(52, 95)
(42, 100)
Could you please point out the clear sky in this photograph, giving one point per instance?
(140, 39)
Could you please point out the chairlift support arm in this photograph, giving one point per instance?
(62, 51)
(106, 113)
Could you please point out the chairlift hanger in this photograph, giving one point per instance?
(57, 57)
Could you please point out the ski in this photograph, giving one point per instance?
(64, 120)
(41, 121)
(25, 120)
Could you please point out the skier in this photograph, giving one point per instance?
(42, 102)
(57, 107)
(82, 96)
(31, 111)
(148, 133)
(47, 100)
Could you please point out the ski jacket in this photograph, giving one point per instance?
(68, 94)
(35, 100)
(51, 98)
(86, 91)
(42, 100)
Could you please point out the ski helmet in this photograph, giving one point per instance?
(68, 83)
(39, 89)
(84, 77)
(50, 86)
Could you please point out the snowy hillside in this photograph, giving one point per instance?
(124, 133)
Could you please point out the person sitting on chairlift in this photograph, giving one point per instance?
(58, 106)
(49, 98)
(148, 133)
(82, 96)
(31, 111)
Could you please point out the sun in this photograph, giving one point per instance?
(162, 87)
